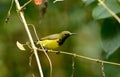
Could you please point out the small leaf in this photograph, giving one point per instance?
(88, 2)
(20, 46)
(99, 12)
(57, 1)
(38, 2)
(110, 34)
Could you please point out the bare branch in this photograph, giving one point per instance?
(84, 57)
(103, 71)
(43, 49)
(30, 37)
(73, 66)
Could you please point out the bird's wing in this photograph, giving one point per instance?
(51, 37)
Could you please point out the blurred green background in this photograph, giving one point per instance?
(67, 15)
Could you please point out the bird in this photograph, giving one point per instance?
(55, 40)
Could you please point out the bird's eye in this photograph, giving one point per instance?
(66, 34)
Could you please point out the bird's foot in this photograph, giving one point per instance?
(45, 49)
(57, 52)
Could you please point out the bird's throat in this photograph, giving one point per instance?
(62, 40)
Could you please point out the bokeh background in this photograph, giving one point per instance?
(70, 15)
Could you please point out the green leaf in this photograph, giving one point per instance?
(110, 34)
(88, 2)
(99, 12)
(57, 1)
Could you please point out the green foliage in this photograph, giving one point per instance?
(66, 15)
(110, 35)
(3, 11)
(88, 2)
(99, 12)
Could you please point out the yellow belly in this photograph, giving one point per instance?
(50, 44)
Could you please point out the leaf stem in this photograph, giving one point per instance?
(109, 10)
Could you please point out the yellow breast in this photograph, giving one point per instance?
(50, 44)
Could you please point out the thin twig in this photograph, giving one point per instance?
(34, 31)
(22, 7)
(103, 71)
(84, 57)
(109, 10)
(33, 75)
(48, 59)
(30, 59)
(73, 66)
(49, 62)
(9, 11)
(43, 49)
(30, 37)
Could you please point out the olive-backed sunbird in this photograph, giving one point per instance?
(55, 40)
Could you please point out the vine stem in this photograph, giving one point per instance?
(109, 10)
(43, 49)
(30, 37)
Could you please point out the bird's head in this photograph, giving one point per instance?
(66, 33)
(63, 36)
